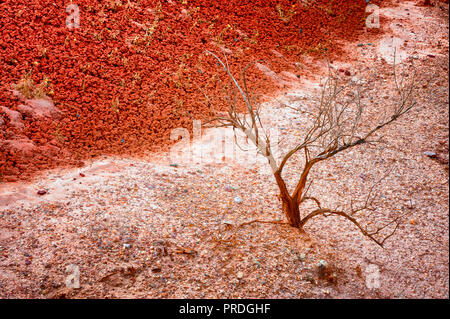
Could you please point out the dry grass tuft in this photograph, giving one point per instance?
(29, 89)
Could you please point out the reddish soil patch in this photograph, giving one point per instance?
(128, 74)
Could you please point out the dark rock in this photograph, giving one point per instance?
(430, 154)
(322, 267)
(156, 269)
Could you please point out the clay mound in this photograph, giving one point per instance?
(132, 70)
(14, 117)
(39, 109)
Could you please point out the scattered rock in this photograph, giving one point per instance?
(322, 267)
(325, 272)
(41, 192)
(430, 154)
(156, 269)
(309, 278)
(238, 200)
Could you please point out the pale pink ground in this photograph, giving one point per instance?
(141, 228)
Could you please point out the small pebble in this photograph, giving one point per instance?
(238, 200)
(430, 154)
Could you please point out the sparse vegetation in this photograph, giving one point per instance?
(336, 125)
(115, 105)
(29, 89)
(286, 16)
(303, 182)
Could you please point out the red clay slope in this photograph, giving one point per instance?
(125, 77)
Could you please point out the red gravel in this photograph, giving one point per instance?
(121, 92)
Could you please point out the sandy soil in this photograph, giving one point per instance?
(144, 228)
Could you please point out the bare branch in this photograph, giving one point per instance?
(336, 122)
(364, 231)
